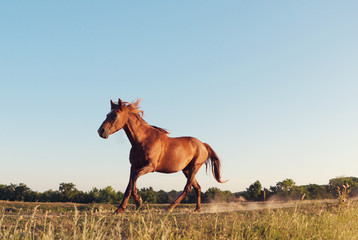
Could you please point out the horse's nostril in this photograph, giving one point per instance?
(102, 133)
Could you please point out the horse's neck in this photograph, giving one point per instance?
(136, 130)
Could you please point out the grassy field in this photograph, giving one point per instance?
(295, 220)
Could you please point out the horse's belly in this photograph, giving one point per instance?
(169, 165)
(177, 155)
(166, 170)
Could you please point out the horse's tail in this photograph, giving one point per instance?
(214, 161)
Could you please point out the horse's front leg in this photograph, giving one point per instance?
(127, 194)
(137, 199)
(140, 172)
(132, 189)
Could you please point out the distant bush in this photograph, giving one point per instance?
(285, 189)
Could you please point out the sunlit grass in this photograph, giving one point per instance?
(303, 220)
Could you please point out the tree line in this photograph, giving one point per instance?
(284, 190)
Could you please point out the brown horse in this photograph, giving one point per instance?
(153, 151)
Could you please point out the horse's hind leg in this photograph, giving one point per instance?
(197, 190)
(185, 192)
(190, 175)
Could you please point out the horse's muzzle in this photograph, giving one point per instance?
(102, 133)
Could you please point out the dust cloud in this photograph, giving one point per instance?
(274, 202)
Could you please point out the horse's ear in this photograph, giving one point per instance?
(113, 105)
(120, 103)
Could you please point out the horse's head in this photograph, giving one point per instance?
(115, 120)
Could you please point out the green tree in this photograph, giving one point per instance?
(50, 196)
(254, 191)
(67, 192)
(190, 198)
(120, 196)
(284, 188)
(93, 195)
(301, 192)
(80, 197)
(21, 191)
(108, 195)
(216, 195)
(172, 195)
(148, 195)
(213, 194)
(11, 191)
(318, 191)
(162, 197)
(5, 192)
(340, 181)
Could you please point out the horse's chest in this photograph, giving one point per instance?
(142, 156)
(137, 154)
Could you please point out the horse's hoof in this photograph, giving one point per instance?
(139, 204)
(197, 210)
(118, 211)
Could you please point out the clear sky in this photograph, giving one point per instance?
(272, 86)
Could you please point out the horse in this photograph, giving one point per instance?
(154, 151)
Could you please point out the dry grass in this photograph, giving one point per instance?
(300, 220)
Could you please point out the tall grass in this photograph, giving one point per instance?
(302, 221)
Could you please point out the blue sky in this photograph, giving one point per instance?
(270, 85)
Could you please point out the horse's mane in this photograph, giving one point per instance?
(133, 107)
(160, 129)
